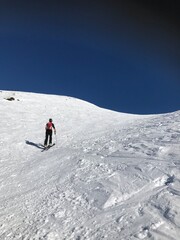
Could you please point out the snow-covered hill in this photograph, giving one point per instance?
(109, 176)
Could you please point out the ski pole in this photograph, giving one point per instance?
(56, 139)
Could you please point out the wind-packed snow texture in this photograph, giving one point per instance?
(109, 176)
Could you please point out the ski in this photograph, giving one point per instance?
(48, 147)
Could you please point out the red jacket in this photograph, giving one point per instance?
(50, 126)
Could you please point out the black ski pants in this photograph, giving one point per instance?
(48, 136)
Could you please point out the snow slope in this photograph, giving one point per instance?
(109, 176)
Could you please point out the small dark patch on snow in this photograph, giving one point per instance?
(10, 99)
(169, 180)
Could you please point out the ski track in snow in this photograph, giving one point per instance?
(109, 176)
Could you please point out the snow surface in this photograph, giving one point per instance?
(109, 176)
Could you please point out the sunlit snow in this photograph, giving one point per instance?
(109, 176)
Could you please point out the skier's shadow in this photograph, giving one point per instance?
(38, 145)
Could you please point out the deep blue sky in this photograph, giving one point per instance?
(120, 55)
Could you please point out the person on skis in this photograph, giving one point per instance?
(49, 130)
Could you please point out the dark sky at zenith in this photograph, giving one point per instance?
(120, 55)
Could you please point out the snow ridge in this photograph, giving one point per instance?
(109, 176)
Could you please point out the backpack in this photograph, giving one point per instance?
(49, 126)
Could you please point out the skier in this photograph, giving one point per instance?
(49, 130)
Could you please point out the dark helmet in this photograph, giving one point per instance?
(50, 120)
